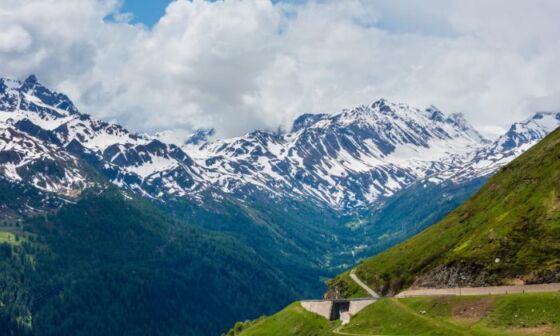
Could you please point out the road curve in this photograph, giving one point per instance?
(363, 285)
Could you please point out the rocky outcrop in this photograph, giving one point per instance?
(454, 275)
(547, 276)
(335, 291)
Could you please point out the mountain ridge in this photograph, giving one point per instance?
(339, 176)
(345, 161)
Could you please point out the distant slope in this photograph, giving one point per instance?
(111, 265)
(509, 230)
(295, 236)
(408, 212)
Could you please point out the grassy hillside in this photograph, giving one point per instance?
(477, 315)
(509, 230)
(519, 314)
(292, 320)
(111, 265)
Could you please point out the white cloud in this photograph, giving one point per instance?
(14, 39)
(240, 65)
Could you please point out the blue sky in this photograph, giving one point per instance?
(147, 12)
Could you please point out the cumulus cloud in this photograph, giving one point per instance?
(14, 39)
(241, 65)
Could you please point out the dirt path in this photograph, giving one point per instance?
(363, 285)
(338, 332)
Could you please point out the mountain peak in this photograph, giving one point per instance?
(31, 79)
(60, 103)
(435, 113)
(15, 84)
(528, 131)
(543, 115)
(29, 83)
(383, 105)
(546, 121)
(307, 119)
(458, 119)
(200, 136)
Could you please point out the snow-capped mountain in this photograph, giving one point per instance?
(344, 161)
(486, 160)
(42, 128)
(359, 156)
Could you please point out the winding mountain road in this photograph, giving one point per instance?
(463, 291)
(363, 285)
(437, 324)
(492, 290)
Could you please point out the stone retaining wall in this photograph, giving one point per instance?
(325, 307)
(319, 307)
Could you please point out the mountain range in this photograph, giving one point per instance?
(303, 204)
(345, 161)
(355, 169)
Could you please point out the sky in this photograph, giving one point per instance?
(244, 65)
(147, 12)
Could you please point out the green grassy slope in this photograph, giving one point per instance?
(509, 229)
(517, 314)
(292, 320)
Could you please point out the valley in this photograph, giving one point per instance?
(84, 199)
(279, 168)
(348, 176)
(490, 267)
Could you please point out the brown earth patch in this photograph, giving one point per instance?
(473, 310)
(514, 282)
(542, 330)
